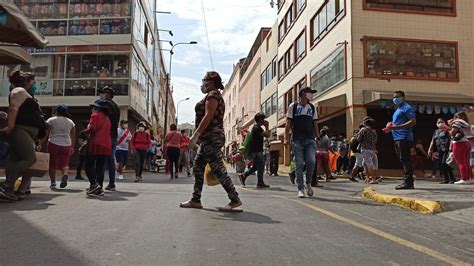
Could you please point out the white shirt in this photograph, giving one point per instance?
(60, 133)
(125, 143)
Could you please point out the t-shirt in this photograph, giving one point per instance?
(185, 144)
(60, 130)
(173, 139)
(302, 126)
(126, 142)
(257, 140)
(403, 114)
(369, 139)
(217, 122)
(324, 143)
(463, 128)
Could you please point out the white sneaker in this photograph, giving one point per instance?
(463, 182)
(120, 177)
(309, 190)
(301, 193)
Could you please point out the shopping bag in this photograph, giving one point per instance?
(209, 178)
(40, 167)
(450, 160)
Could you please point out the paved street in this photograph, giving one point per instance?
(141, 224)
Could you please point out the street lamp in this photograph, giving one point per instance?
(168, 81)
(169, 32)
(177, 109)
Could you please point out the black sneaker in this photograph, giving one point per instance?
(79, 177)
(7, 193)
(93, 189)
(110, 188)
(20, 195)
(100, 192)
(261, 186)
(63, 183)
(242, 179)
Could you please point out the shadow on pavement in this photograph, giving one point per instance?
(366, 203)
(24, 244)
(115, 196)
(34, 202)
(245, 216)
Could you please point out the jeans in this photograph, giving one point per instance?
(402, 148)
(184, 160)
(305, 155)
(173, 157)
(140, 157)
(82, 159)
(95, 169)
(111, 163)
(258, 166)
(274, 162)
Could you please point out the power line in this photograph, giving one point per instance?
(207, 34)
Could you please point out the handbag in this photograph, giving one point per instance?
(450, 160)
(209, 178)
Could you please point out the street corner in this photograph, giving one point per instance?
(419, 205)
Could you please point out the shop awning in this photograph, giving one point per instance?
(10, 55)
(374, 96)
(16, 28)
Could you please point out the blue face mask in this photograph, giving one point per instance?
(397, 101)
(33, 88)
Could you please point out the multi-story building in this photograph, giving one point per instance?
(95, 44)
(250, 84)
(232, 111)
(356, 53)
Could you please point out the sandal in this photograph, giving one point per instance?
(233, 206)
(191, 204)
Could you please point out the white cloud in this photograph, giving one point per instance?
(232, 27)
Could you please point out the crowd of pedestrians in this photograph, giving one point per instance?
(105, 143)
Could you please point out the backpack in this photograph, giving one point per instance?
(244, 147)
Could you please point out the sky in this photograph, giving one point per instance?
(232, 27)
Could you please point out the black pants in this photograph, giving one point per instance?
(343, 162)
(82, 160)
(274, 162)
(173, 157)
(402, 148)
(95, 169)
(140, 157)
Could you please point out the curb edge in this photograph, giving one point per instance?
(421, 206)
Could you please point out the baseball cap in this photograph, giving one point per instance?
(306, 89)
(107, 89)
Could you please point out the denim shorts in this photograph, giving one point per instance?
(121, 156)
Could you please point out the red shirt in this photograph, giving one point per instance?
(185, 144)
(141, 141)
(100, 142)
(173, 139)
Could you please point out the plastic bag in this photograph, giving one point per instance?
(209, 178)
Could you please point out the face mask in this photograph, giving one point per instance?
(397, 101)
(203, 89)
(33, 88)
(141, 129)
(309, 96)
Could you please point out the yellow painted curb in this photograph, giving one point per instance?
(422, 206)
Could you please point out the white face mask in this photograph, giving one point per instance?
(309, 96)
(141, 129)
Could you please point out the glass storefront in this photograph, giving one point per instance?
(78, 17)
(411, 59)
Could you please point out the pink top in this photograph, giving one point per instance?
(173, 139)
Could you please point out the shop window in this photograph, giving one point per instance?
(83, 27)
(73, 66)
(115, 26)
(411, 59)
(99, 8)
(330, 72)
(58, 88)
(435, 7)
(52, 28)
(43, 9)
(120, 86)
(105, 66)
(80, 87)
(89, 66)
(121, 68)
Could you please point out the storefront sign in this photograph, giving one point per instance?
(45, 87)
(44, 50)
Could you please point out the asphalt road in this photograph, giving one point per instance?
(141, 224)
